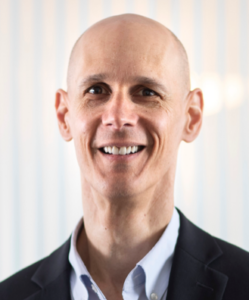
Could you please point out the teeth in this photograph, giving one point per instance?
(120, 151)
(114, 150)
(134, 149)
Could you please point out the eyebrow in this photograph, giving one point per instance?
(137, 80)
(93, 78)
(143, 80)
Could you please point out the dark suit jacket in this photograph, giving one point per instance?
(204, 268)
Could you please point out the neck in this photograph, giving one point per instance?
(117, 236)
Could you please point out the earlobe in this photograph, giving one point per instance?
(61, 107)
(194, 115)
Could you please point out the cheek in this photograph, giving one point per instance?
(81, 122)
(168, 127)
(83, 128)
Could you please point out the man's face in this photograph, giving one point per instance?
(126, 95)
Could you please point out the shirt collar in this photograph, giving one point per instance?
(157, 262)
(153, 269)
(78, 289)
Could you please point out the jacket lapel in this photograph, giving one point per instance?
(53, 276)
(191, 277)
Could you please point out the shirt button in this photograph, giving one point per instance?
(153, 296)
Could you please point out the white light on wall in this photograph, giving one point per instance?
(194, 81)
(233, 90)
(211, 86)
(247, 95)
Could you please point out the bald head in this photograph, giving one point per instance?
(130, 38)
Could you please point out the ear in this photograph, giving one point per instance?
(61, 107)
(194, 115)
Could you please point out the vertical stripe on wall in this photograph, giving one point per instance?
(60, 66)
(14, 100)
(49, 84)
(221, 126)
(8, 257)
(38, 124)
(244, 149)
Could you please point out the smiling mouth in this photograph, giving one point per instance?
(113, 150)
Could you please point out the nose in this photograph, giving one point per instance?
(120, 112)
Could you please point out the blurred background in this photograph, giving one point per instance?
(40, 197)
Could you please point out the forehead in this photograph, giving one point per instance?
(125, 52)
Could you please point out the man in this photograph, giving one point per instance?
(127, 108)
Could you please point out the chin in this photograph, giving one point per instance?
(120, 190)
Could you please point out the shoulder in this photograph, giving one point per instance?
(19, 285)
(223, 258)
(199, 242)
(234, 261)
(37, 277)
(231, 251)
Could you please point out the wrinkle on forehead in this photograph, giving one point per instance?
(126, 41)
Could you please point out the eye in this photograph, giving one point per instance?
(96, 90)
(147, 93)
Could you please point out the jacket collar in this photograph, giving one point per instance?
(191, 277)
(53, 276)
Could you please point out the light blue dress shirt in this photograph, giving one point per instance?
(147, 281)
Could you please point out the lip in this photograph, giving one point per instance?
(120, 144)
